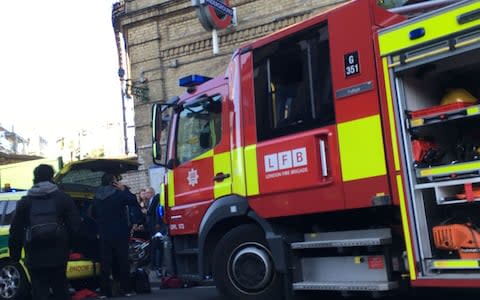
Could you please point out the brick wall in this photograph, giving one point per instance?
(136, 180)
(165, 41)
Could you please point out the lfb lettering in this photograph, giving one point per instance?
(300, 157)
(286, 160)
(271, 163)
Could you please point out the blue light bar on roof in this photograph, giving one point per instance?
(192, 80)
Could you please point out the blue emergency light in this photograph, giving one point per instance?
(193, 80)
(160, 211)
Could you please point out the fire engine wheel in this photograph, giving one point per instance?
(243, 267)
(13, 281)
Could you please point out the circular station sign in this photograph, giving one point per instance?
(214, 14)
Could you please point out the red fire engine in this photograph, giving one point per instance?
(337, 154)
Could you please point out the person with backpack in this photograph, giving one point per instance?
(44, 221)
(110, 207)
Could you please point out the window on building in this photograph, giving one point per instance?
(199, 127)
(293, 84)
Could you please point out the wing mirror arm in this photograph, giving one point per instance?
(172, 163)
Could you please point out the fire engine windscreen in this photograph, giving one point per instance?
(293, 84)
(199, 127)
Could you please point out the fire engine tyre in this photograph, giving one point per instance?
(13, 281)
(243, 267)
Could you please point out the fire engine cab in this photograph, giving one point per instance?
(337, 154)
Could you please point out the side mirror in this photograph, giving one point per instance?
(157, 150)
(159, 124)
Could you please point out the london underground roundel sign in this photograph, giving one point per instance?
(214, 14)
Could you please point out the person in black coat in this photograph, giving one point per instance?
(46, 262)
(156, 229)
(110, 211)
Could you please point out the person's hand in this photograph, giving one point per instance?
(118, 185)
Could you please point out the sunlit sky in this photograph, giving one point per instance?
(58, 66)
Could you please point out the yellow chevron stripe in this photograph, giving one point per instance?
(239, 186)
(221, 163)
(435, 26)
(162, 194)
(206, 154)
(441, 170)
(456, 264)
(251, 170)
(171, 188)
(391, 117)
(361, 148)
(406, 230)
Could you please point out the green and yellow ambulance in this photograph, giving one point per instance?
(80, 180)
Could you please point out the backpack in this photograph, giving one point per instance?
(44, 227)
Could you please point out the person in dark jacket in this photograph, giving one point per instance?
(157, 230)
(110, 211)
(46, 263)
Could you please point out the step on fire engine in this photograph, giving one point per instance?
(338, 154)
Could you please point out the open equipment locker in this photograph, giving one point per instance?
(445, 190)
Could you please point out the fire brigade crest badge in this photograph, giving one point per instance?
(192, 177)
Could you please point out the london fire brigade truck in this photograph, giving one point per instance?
(338, 154)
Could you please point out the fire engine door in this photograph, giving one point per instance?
(203, 171)
(296, 142)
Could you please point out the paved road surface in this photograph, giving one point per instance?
(210, 293)
(195, 293)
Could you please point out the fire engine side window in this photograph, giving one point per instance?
(199, 128)
(293, 85)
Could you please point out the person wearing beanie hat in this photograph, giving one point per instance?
(46, 262)
(43, 173)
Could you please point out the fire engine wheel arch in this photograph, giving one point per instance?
(225, 214)
(243, 265)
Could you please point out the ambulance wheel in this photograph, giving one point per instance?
(13, 281)
(243, 266)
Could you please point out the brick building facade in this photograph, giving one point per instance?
(163, 41)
